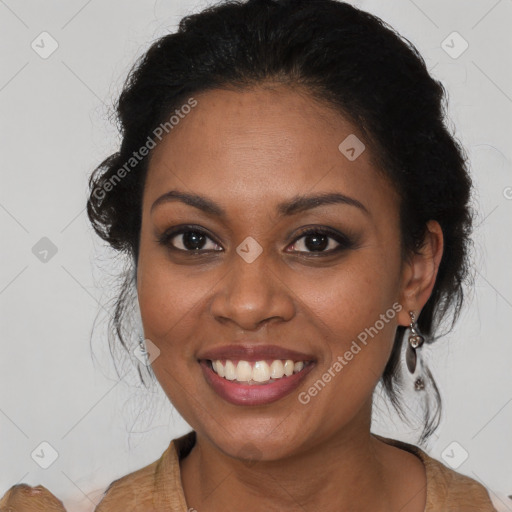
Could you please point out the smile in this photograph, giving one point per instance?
(258, 372)
(254, 383)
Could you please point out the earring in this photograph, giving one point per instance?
(142, 347)
(415, 341)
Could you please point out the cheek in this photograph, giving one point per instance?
(353, 305)
(355, 292)
(168, 300)
(353, 309)
(169, 295)
(169, 316)
(162, 299)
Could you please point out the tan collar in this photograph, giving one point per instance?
(446, 489)
(169, 495)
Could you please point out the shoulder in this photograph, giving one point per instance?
(153, 488)
(133, 491)
(454, 490)
(23, 497)
(448, 490)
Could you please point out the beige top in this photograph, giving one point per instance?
(157, 487)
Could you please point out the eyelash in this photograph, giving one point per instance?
(345, 242)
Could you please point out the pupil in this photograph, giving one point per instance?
(193, 240)
(320, 242)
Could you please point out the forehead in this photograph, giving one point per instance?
(263, 142)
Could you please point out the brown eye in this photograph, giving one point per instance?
(321, 241)
(188, 240)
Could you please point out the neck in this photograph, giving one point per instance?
(344, 472)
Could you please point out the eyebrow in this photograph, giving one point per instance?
(297, 204)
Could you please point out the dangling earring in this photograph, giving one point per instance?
(142, 347)
(415, 341)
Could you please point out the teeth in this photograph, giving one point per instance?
(261, 371)
(276, 369)
(258, 372)
(297, 367)
(229, 370)
(288, 367)
(219, 369)
(243, 371)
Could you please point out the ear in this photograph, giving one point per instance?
(419, 273)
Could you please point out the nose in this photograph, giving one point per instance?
(252, 294)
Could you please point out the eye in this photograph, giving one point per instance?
(188, 239)
(313, 240)
(321, 241)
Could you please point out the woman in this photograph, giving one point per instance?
(298, 220)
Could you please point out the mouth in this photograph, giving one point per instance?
(255, 382)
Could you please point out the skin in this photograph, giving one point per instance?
(248, 151)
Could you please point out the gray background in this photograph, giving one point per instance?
(57, 387)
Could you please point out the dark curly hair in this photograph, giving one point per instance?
(342, 56)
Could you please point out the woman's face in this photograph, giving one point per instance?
(255, 280)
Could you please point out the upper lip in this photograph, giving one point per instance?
(251, 352)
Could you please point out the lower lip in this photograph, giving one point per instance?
(257, 394)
